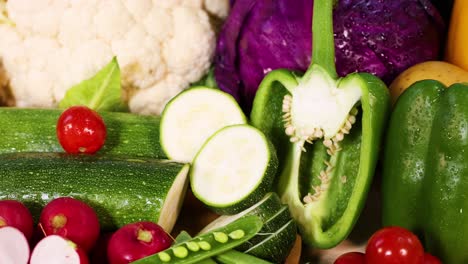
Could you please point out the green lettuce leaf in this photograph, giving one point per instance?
(102, 92)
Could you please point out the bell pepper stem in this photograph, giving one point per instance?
(323, 41)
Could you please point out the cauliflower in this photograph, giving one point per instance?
(47, 46)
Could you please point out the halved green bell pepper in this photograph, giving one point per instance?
(425, 169)
(325, 184)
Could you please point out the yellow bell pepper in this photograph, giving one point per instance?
(457, 39)
(441, 71)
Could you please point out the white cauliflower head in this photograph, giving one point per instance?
(47, 46)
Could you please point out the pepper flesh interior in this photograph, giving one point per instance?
(321, 108)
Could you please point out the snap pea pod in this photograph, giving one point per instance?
(229, 257)
(236, 257)
(208, 244)
(184, 237)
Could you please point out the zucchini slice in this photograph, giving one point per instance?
(265, 209)
(277, 246)
(273, 214)
(120, 190)
(272, 225)
(192, 116)
(234, 169)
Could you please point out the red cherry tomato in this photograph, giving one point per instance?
(81, 130)
(394, 245)
(429, 259)
(350, 258)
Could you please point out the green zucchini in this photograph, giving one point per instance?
(277, 246)
(120, 190)
(34, 130)
(273, 214)
(270, 226)
(234, 169)
(192, 116)
(266, 208)
(207, 245)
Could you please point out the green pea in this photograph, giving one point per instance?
(204, 245)
(193, 246)
(220, 237)
(164, 257)
(238, 234)
(180, 252)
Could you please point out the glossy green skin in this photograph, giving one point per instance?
(407, 144)
(33, 130)
(121, 191)
(277, 245)
(265, 209)
(426, 163)
(357, 159)
(273, 215)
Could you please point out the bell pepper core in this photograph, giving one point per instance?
(325, 185)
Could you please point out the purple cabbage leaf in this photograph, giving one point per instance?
(376, 36)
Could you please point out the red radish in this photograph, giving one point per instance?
(99, 253)
(15, 214)
(55, 249)
(72, 219)
(135, 241)
(81, 130)
(14, 247)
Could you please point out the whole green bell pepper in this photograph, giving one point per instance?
(325, 184)
(425, 169)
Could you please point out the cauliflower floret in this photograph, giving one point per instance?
(217, 8)
(162, 46)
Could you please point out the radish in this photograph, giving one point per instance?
(71, 219)
(135, 241)
(14, 247)
(98, 254)
(55, 249)
(16, 214)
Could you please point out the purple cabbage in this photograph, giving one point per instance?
(377, 36)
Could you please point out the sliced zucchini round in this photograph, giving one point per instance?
(277, 246)
(272, 225)
(234, 169)
(266, 208)
(192, 116)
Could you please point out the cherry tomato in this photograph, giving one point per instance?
(394, 245)
(429, 259)
(81, 130)
(350, 258)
